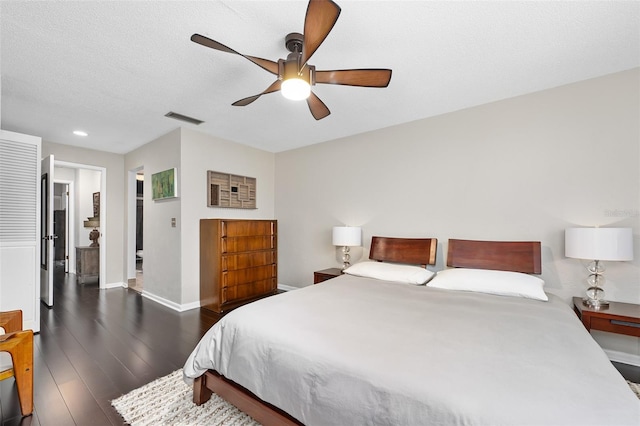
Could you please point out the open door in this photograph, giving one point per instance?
(46, 231)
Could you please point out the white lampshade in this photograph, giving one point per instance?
(347, 236)
(599, 243)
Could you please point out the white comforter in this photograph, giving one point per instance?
(356, 351)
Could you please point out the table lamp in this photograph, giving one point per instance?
(598, 244)
(346, 237)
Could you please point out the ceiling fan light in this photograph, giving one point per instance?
(295, 89)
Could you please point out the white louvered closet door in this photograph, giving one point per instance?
(20, 226)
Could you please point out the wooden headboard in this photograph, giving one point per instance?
(417, 251)
(517, 256)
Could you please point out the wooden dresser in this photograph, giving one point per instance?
(238, 262)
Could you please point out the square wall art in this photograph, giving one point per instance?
(164, 184)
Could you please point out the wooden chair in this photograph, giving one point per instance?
(19, 344)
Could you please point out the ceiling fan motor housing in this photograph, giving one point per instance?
(290, 68)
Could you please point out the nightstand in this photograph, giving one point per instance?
(620, 318)
(326, 274)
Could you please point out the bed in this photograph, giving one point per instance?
(361, 350)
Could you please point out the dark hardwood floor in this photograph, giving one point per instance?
(95, 345)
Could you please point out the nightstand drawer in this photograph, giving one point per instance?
(614, 326)
(620, 317)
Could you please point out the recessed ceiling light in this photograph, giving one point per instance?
(80, 133)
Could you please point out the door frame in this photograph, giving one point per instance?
(103, 214)
(131, 221)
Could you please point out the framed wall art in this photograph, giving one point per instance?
(164, 184)
(96, 204)
(229, 190)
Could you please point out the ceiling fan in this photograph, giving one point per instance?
(295, 75)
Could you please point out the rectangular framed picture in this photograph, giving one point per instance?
(164, 185)
(96, 204)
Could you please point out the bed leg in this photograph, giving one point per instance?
(201, 393)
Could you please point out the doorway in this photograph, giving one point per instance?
(135, 279)
(83, 183)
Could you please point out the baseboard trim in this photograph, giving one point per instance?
(623, 357)
(190, 306)
(113, 285)
(170, 304)
(177, 306)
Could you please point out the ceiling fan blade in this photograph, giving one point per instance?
(266, 64)
(363, 77)
(318, 109)
(275, 86)
(320, 18)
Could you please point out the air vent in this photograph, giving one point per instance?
(184, 118)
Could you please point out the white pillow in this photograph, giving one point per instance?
(391, 272)
(503, 283)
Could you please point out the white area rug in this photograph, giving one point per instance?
(168, 401)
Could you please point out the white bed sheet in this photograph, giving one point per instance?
(357, 351)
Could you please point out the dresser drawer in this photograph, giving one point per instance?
(247, 228)
(244, 276)
(241, 244)
(232, 262)
(248, 290)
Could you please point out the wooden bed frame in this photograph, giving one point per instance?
(416, 251)
(261, 411)
(517, 256)
(512, 256)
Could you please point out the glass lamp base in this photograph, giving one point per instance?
(346, 257)
(595, 293)
(595, 304)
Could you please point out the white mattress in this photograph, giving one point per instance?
(359, 351)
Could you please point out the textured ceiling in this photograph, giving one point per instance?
(114, 69)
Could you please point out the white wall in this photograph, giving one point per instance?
(171, 255)
(162, 251)
(200, 153)
(519, 169)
